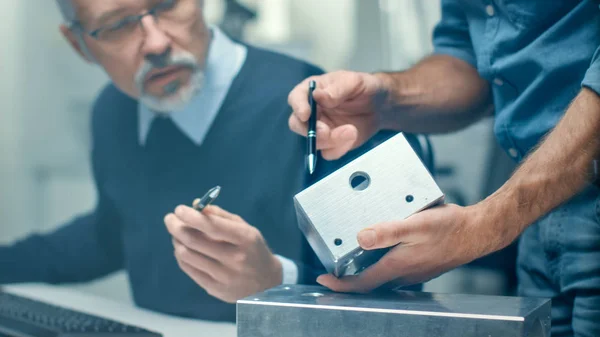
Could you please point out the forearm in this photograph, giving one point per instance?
(440, 94)
(557, 170)
(78, 252)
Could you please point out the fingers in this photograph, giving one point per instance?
(216, 227)
(335, 88)
(388, 234)
(332, 90)
(198, 241)
(298, 126)
(218, 211)
(332, 143)
(341, 141)
(200, 262)
(201, 278)
(371, 278)
(298, 99)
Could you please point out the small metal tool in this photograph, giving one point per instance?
(207, 199)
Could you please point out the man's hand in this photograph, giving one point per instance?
(427, 244)
(222, 253)
(347, 103)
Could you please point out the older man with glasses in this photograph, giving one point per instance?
(187, 109)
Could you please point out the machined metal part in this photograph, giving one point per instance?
(311, 311)
(390, 182)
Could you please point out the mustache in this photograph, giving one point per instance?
(167, 59)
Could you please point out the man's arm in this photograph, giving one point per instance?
(444, 92)
(440, 94)
(558, 169)
(88, 247)
(442, 238)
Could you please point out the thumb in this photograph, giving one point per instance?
(384, 235)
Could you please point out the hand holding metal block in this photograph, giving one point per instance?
(387, 183)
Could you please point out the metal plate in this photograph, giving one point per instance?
(294, 311)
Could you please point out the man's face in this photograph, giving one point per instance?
(159, 61)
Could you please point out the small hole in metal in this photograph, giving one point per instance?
(359, 181)
(410, 198)
(313, 294)
(338, 242)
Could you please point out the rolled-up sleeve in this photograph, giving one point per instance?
(451, 35)
(592, 76)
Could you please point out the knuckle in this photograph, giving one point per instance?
(239, 258)
(180, 210)
(254, 234)
(396, 232)
(183, 253)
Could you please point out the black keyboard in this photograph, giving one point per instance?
(23, 317)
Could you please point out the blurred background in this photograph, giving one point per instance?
(46, 93)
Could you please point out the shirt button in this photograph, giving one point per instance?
(489, 9)
(498, 81)
(513, 152)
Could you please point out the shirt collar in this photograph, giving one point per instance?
(224, 60)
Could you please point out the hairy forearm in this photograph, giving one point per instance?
(440, 94)
(558, 169)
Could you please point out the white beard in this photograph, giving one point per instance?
(182, 95)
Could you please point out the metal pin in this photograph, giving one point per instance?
(207, 199)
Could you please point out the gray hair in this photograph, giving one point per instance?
(69, 16)
(67, 10)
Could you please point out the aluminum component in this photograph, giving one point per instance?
(311, 311)
(388, 183)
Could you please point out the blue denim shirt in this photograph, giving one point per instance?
(537, 55)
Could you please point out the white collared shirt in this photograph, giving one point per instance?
(224, 60)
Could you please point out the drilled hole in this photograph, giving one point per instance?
(359, 181)
(410, 198)
(338, 242)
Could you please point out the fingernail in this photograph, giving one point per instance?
(320, 279)
(179, 210)
(367, 238)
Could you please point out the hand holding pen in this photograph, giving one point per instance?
(220, 251)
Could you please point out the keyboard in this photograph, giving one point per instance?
(23, 317)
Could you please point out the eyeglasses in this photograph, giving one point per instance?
(127, 28)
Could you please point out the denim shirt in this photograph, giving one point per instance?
(536, 54)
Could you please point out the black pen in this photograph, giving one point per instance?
(311, 157)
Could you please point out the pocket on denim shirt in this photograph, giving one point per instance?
(533, 13)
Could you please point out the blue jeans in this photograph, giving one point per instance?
(559, 258)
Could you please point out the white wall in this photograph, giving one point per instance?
(13, 193)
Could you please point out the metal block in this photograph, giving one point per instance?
(310, 311)
(387, 183)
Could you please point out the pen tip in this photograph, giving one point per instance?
(214, 192)
(312, 163)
